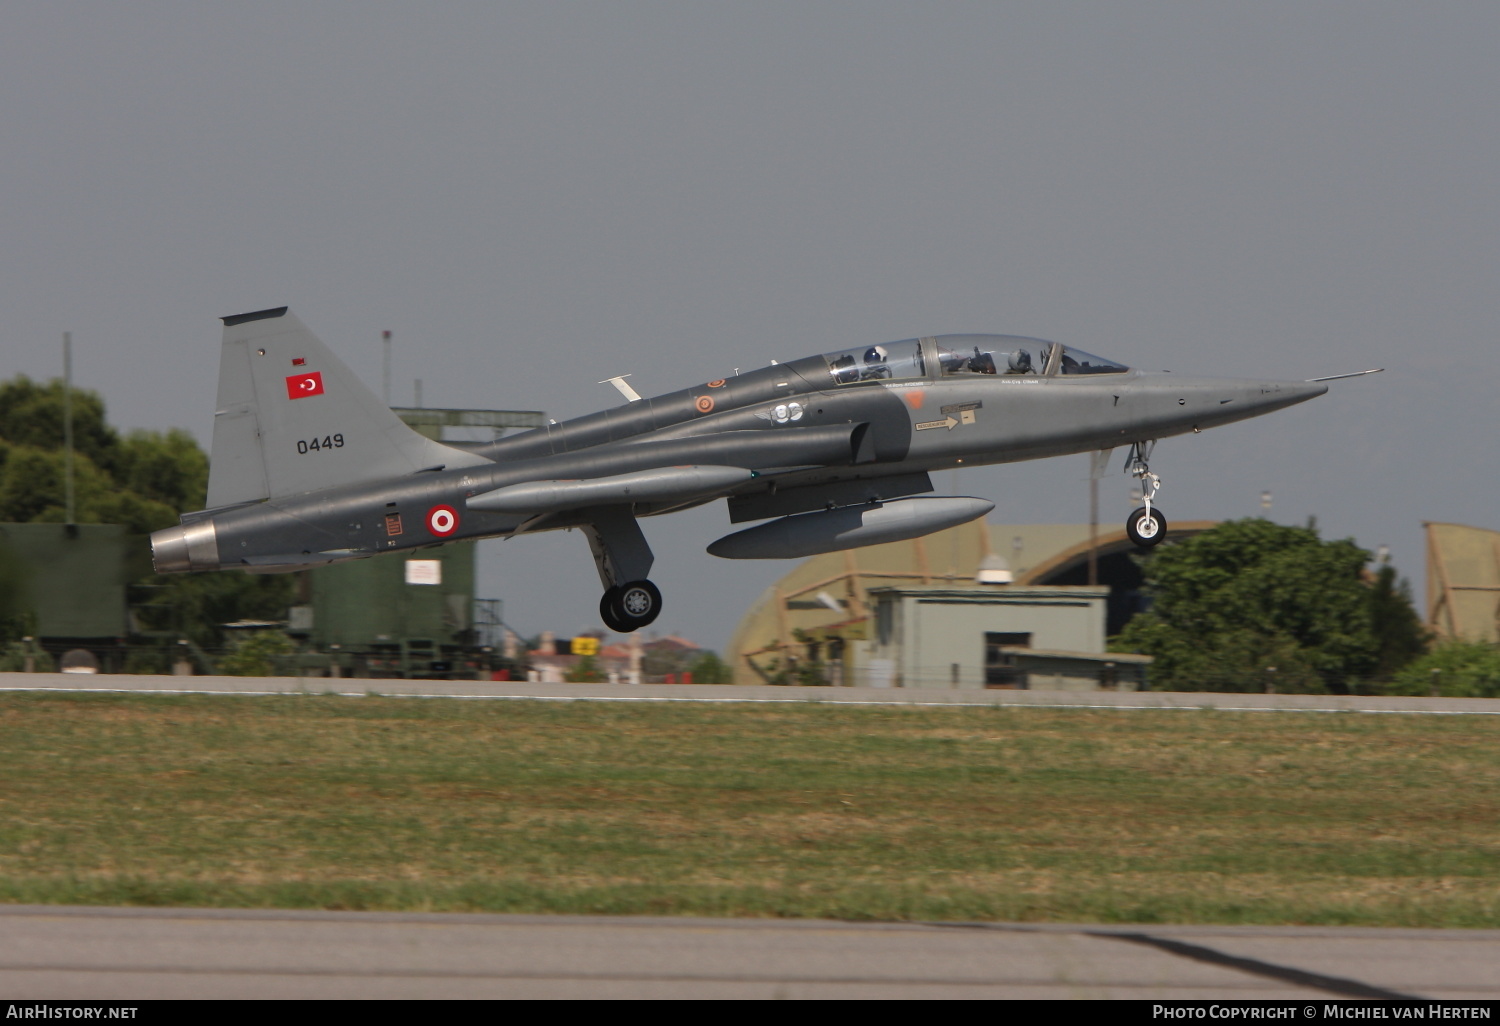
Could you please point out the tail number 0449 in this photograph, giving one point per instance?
(307, 445)
(442, 520)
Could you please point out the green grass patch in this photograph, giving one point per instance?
(750, 810)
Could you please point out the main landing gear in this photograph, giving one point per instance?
(623, 559)
(626, 608)
(1146, 526)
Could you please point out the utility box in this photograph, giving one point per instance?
(71, 577)
(398, 614)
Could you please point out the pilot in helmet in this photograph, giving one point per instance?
(875, 365)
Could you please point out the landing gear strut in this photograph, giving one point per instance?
(623, 558)
(1146, 526)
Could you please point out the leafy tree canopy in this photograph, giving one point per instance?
(1400, 635)
(142, 480)
(1464, 669)
(253, 655)
(1232, 603)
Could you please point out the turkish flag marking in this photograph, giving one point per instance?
(300, 386)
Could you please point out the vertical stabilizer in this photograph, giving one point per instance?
(292, 418)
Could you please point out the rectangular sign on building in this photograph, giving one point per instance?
(424, 571)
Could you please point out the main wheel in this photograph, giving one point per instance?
(638, 603)
(1146, 527)
(609, 612)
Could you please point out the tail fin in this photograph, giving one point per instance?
(292, 418)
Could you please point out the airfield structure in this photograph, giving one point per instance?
(819, 614)
(411, 614)
(1463, 582)
(69, 580)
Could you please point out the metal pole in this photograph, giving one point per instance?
(1093, 530)
(72, 512)
(386, 364)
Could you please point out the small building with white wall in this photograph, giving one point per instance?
(816, 624)
(1042, 636)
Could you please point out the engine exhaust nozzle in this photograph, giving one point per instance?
(176, 550)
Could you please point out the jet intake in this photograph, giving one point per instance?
(184, 548)
(663, 484)
(852, 527)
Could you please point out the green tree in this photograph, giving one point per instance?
(1465, 669)
(196, 606)
(31, 414)
(251, 655)
(585, 671)
(33, 490)
(168, 468)
(1250, 602)
(708, 668)
(1400, 636)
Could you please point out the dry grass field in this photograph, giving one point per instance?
(751, 810)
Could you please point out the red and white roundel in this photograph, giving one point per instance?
(442, 520)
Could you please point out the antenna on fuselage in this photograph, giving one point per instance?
(630, 394)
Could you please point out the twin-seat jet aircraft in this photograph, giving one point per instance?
(309, 467)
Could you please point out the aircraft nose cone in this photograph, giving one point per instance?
(1277, 395)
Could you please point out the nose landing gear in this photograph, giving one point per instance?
(1146, 526)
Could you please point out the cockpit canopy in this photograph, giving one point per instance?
(891, 360)
(1006, 355)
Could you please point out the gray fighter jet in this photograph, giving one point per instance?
(309, 467)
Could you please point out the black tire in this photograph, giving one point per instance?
(1146, 528)
(609, 612)
(638, 603)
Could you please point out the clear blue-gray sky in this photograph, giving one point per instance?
(535, 196)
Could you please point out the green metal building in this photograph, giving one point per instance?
(394, 615)
(69, 580)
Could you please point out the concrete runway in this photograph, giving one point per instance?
(57, 952)
(141, 684)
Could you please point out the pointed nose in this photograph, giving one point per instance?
(1266, 396)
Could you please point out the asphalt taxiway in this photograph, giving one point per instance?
(57, 952)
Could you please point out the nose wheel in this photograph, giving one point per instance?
(1146, 526)
(629, 607)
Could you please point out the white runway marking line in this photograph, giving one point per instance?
(894, 703)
